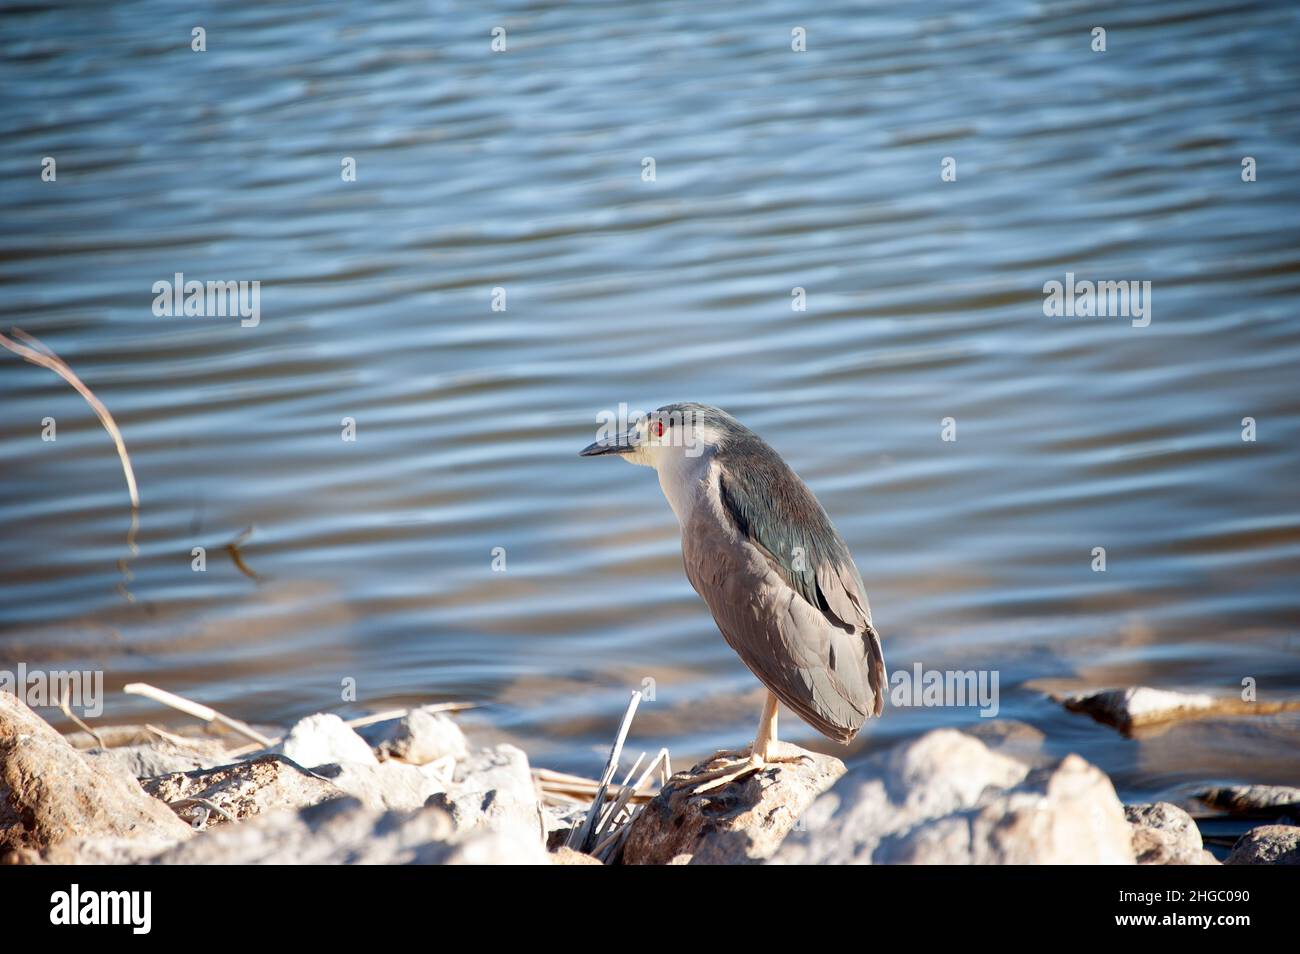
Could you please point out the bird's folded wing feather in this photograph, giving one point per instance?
(801, 546)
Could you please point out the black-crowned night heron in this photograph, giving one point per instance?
(779, 580)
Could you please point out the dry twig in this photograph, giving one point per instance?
(67, 711)
(39, 354)
(402, 713)
(196, 709)
(182, 803)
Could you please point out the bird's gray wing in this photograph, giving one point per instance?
(775, 509)
(796, 610)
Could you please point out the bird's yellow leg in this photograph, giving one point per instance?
(763, 751)
(765, 740)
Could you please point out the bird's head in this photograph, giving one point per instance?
(672, 433)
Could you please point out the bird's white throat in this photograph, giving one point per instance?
(686, 481)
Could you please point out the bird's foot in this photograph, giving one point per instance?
(736, 765)
(717, 775)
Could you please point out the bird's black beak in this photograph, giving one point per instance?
(623, 444)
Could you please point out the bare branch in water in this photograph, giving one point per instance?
(237, 557)
(39, 354)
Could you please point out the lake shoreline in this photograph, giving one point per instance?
(410, 787)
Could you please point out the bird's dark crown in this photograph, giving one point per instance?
(704, 415)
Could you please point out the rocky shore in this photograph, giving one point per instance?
(413, 790)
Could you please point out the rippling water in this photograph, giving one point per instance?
(774, 169)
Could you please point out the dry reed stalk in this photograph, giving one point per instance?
(580, 836)
(630, 792)
(605, 817)
(551, 782)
